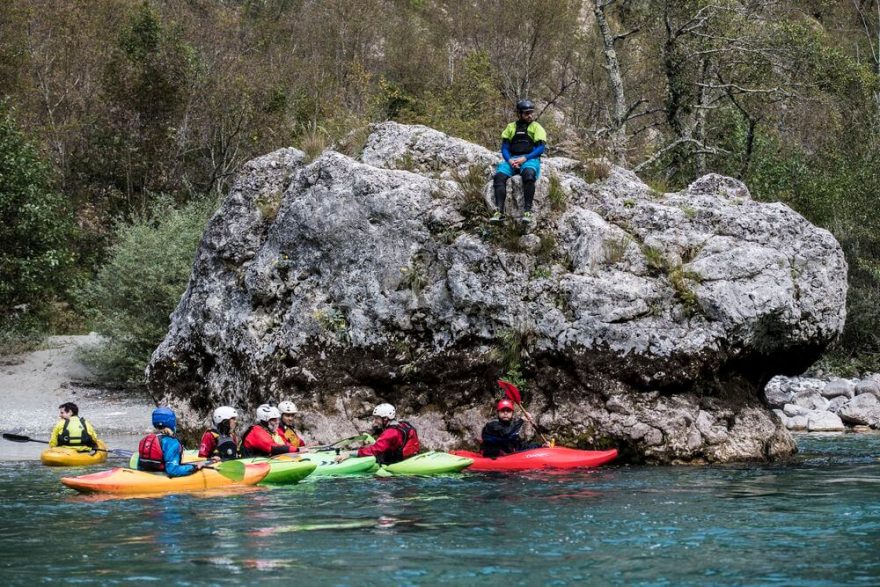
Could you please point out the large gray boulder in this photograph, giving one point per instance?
(644, 320)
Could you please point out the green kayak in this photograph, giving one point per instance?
(328, 467)
(427, 463)
(285, 470)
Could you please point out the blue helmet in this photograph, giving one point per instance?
(164, 418)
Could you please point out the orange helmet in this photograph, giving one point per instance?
(504, 404)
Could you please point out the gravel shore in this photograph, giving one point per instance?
(32, 385)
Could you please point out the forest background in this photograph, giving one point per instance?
(122, 123)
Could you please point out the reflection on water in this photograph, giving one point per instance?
(812, 521)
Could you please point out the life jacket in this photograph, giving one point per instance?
(290, 435)
(75, 433)
(225, 447)
(150, 454)
(521, 143)
(274, 437)
(408, 448)
(500, 438)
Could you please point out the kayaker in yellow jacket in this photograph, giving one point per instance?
(73, 430)
(286, 425)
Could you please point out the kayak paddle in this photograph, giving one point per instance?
(512, 393)
(20, 438)
(364, 437)
(232, 470)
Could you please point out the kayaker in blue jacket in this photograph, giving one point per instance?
(161, 451)
(502, 436)
(522, 144)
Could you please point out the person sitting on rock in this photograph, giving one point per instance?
(285, 426)
(221, 441)
(72, 430)
(522, 144)
(395, 440)
(263, 438)
(161, 450)
(501, 436)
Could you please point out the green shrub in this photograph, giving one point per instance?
(133, 294)
(36, 233)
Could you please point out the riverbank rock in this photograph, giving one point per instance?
(649, 321)
(853, 403)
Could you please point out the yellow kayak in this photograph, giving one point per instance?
(131, 482)
(67, 456)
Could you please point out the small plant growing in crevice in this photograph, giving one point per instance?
(415, 275)
(689, 211)
(473, 186)
(546, 248)
(615, 249)
(312, 139)
(541, 272)
(690, 252)
(268, 205)
(680, 280)
(333, 321)
(506, 236)
(516, 377)
(593, 170)
(655, 259)
(556, 194)
(508, 352)
(405, 162)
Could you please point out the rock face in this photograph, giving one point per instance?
(645, 320)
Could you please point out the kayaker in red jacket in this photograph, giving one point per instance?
(396, 440)
(502, 436)
(262, 439)
(221, 441)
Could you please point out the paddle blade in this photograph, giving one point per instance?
(15, 437)
(233, 470)
(510, 391)
(21, 438)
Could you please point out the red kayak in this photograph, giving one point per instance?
(557, 457)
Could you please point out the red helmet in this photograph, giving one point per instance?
(504, 404)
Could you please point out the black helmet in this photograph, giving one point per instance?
(524, 105)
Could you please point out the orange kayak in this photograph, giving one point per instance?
(132, 482)
(66, 456)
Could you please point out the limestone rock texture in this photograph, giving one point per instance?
(637, 319)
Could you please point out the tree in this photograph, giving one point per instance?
(35, 229)
(621, 112)
(146, 85)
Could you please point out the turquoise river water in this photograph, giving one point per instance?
(812, 521)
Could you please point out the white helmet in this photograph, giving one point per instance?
(266, 412)
(223, 413)
(385, 411)
(287, 407)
